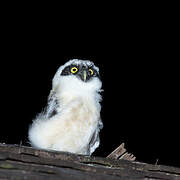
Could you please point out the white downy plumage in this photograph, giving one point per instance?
(71, 121)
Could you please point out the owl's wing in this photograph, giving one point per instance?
(51, 109)
(94, 142)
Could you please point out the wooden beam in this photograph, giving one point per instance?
(20, 162)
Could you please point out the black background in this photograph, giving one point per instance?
(137, 64)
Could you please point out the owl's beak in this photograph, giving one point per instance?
(84, 76)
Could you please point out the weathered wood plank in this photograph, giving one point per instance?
(20, 162)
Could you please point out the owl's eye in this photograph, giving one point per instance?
(74, 70)
(91, 72)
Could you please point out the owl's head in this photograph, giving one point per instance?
(77, 74)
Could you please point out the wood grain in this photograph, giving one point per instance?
(20, 162)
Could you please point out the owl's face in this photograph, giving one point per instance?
(83, 71)
(77, 76)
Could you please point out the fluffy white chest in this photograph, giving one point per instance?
(70, 130)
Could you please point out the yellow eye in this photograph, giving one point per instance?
(91, 72)
(74, 70)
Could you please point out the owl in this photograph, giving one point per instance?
(71, 121)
